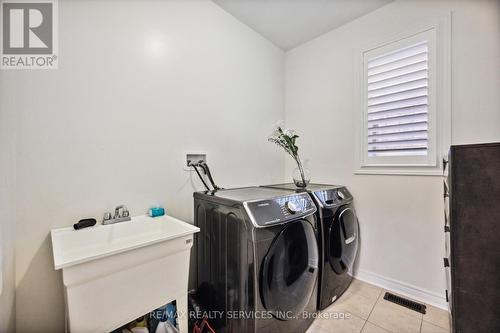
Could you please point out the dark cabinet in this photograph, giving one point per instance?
(472, 228)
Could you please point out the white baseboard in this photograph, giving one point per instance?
(405, 289)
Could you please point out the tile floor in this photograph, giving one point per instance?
(365, 311)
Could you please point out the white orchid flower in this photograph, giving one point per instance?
(279, 124)
(286, 138)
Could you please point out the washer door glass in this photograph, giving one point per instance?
(289, 270)
(343, 240)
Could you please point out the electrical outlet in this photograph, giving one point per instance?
(194, 157)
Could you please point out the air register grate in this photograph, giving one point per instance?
(405, 302)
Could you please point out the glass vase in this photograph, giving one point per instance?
(301, 174)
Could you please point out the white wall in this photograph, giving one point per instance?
(401, 217)
(139, 84)
(7, 217)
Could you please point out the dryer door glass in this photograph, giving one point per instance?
(289, 270)
(343, 240)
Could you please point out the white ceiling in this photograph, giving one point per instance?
(289, 23)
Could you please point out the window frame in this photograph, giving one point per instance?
(439, 114)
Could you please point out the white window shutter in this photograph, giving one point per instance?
(397, 102)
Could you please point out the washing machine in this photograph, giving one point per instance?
(338, 237)
(257, 259)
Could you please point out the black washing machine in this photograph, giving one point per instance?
(338, 241)
(257, 259)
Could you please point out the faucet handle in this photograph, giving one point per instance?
(106, 217)
(125, 213)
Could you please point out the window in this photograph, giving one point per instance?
(398, 101)
(400, 124)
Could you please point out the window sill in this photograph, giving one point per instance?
(402, 172)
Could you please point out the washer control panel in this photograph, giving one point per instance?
(333, 197)
(281, 209)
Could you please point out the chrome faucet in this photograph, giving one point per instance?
(118, 217)
(124, 212)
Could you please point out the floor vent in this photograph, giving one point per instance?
(405, 302)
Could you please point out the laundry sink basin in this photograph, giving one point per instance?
(115, 273)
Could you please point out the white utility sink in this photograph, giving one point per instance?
(115, 273)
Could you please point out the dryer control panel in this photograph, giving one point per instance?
(333, 197)
(264, 213)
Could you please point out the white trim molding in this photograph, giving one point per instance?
(403, 288)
